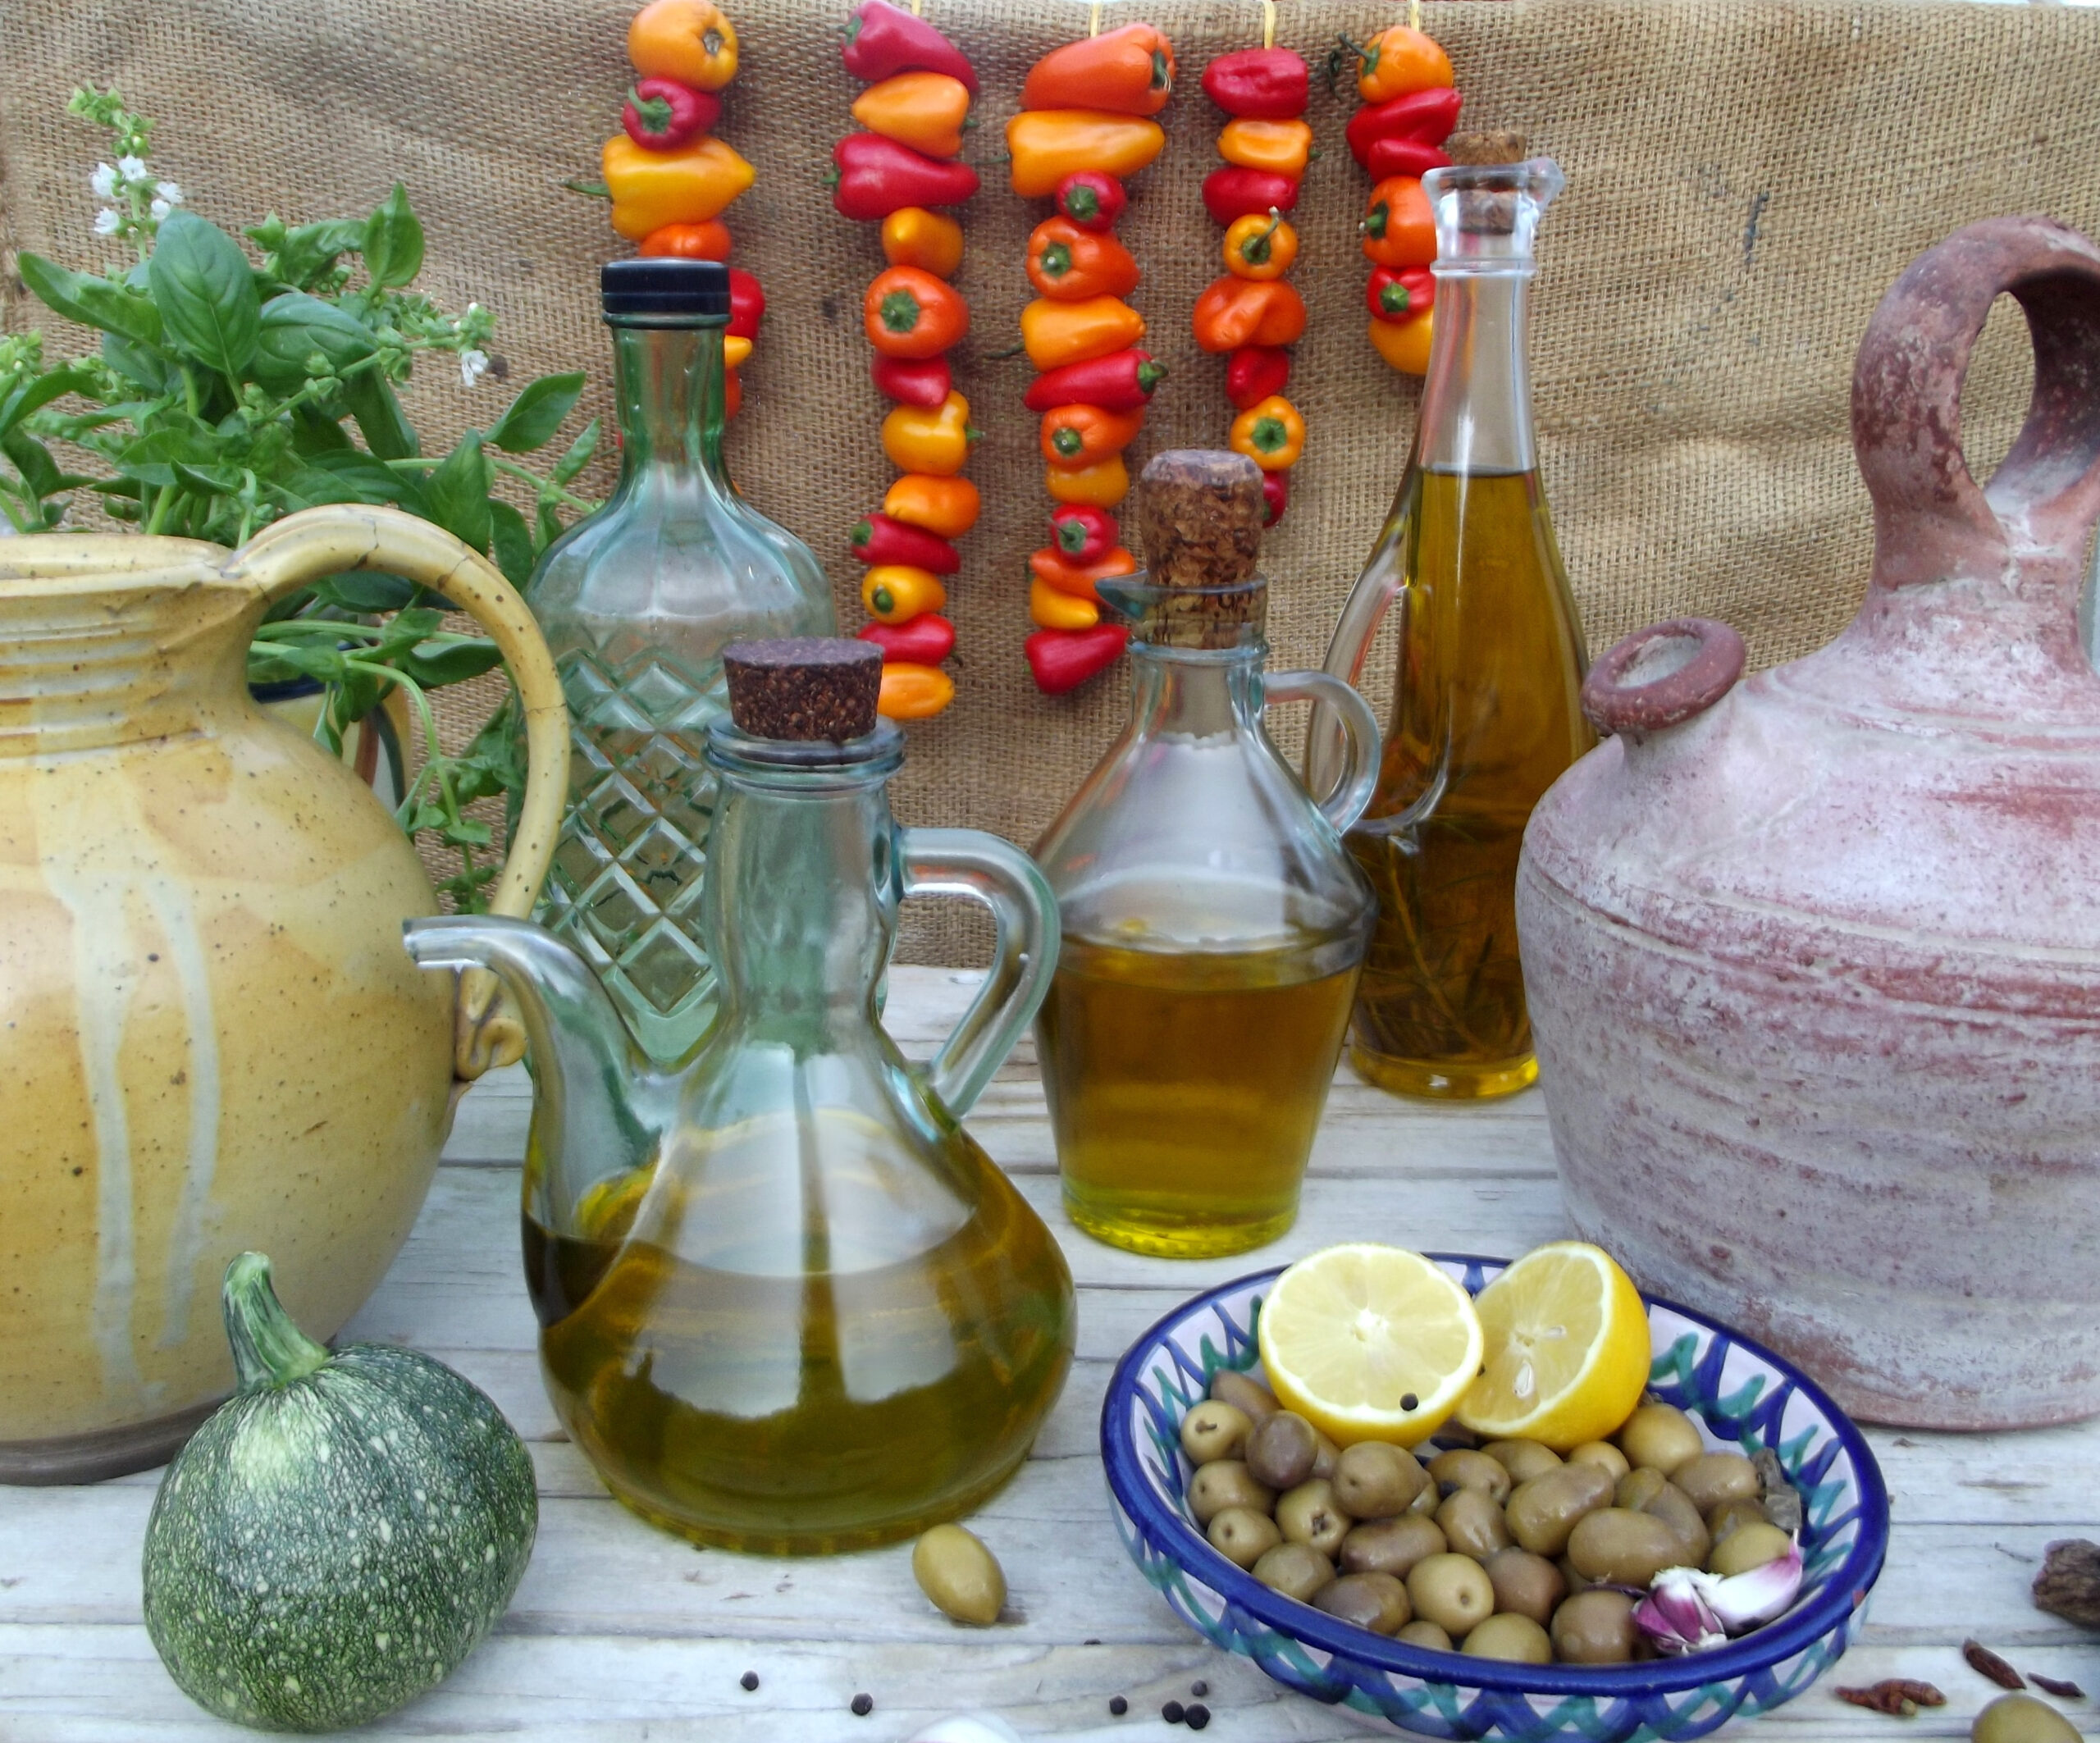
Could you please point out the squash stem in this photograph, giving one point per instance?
(268, 1349)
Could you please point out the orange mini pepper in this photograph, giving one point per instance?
(1047, 609)
(1069, 264)
(933, 440)
(1260, 247)
(709, 239)
(1055, 333)
(736, 351)
(1053, 569)
(947, 507)
(1048, 145)
(688, 184)
(1399, 228)
(911, 691)
(1129, 70)
(1077, 435)
(1236, 312)
(1271, 434)
(1405, 343)
(1103, 484)
(1281, 147)
(1398, 61)
(908, 312)
(896, 592)
(691, 41)
(924, 111)
(931, 241)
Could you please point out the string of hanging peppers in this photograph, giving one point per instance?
(915, 107)
(1410, 109)
(670, 179)
(1251, 313)
(1084, 128)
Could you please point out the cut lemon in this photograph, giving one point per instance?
(1567, 1349)
(1369, 1343)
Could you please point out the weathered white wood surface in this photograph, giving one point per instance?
(619, 1632)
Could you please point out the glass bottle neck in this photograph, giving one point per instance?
(669, 382)
(1477, 403)
(1198, 693)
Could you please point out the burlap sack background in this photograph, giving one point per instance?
(1744, 178)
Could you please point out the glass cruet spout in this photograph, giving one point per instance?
(1486, 712)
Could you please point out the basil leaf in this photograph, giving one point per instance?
(93, 301)
(510, 543)
(139, 364)
(394, 241)
(387, 431)
(309, 253)
(458, 493)
(366, 590)
(205, 292)
(32, 395)
(295, 326)
(535, 414)
(579, 453)
(368, 481)
(451, 662)
(33, 461)
(153, 456)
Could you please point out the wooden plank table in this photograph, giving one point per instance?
(620, 1633)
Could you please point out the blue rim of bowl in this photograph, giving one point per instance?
(1843, 1591)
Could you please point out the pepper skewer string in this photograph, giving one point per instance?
(1269, 23)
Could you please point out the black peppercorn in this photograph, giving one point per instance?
(1199, 1690)
(1408, 1400)
(749, 1680)
(863, 1705)
(1198, 1716)
(1117, 1705)
(1171, 1713)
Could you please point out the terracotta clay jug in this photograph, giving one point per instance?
(211, 1039)
(1815, 959)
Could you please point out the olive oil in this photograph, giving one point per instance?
(1486, 717)
(1184, 1088)
(807, 1342)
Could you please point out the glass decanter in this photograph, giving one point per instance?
(787, 1303)
(638, 602)
(1213, 923)
(1485, 710)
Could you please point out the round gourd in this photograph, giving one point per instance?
(339, 1535)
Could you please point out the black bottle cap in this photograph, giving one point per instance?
(665, 285)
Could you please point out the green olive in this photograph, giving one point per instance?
(1715, 1477)
(1463, 1468)
(1522, 1459)
(1280, 1449)
(1525, 1584)
(1250, 1397)
(1595, 1627)
(1577, 1581)
(1516, 1638)
(1309, 1514)
(1426, 1504)
(1473, 1524)
(1325, 1455)
(1392, 1545)
(1601, 1452)
(1659, 1437)
(1616, 1546)
(1214, 1431)
(1296, 1570)
(959, 1574)
(1454, 1591)
(1243, 1536)
(1729, 1514)
(1748, 1546)
(2020, 1718)
(1542, 1511)
(1425, 1635)
(1376, 1601)
(1373, 1480)
(1647, 1490)
(1224, 1483)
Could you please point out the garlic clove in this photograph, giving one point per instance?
(1688, 1610)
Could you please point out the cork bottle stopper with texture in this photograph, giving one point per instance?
(1199, 522)
(1488, 208)
(804, 688)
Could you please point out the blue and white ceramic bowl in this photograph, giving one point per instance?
(1743, 1395)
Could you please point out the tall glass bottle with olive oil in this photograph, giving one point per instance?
(1486, 712)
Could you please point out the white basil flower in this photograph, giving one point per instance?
(106, 223)
(104, 182)
(132, 169)
(160, 209)
(168, 194)
(472, 364)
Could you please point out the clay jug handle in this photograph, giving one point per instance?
(305, 546)
(1662, 676)
(1932, 520)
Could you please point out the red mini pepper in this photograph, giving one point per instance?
(1427, 115)
(1082, 534)
(913, 380)
(926, 641)
(662, 114)
(875, 176)
(879, 540)
(1398, 157)
(1235, 193)
(1259, 83)
(1091, 198)
(1399, 293)
(1253, 372)
(882, 39)
(1063, 659)
(1121, 382)
(747, 305)
(1276, 497)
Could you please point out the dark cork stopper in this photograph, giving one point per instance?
(1494, 145)
(1199, 521)
(1491, 209)
(806, 688)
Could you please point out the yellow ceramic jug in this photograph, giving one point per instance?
(211, 1038)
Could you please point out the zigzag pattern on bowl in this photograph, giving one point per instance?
(1743, 1396)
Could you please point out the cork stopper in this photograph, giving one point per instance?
(1199, 522)
(804, 688)
(1491, 146)
(1487, 208)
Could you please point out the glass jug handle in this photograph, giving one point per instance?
(1349, 792)
(1363, 612)
(968, 862)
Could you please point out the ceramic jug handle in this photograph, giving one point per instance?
(968, 862)
(1352, 787)
(316, 542)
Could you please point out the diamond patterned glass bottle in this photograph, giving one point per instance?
(638, 602)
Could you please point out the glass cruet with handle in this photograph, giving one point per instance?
(1213, 923)
(787, 1303)
(1486, 713)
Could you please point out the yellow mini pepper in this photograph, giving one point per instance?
(931, 241)
(897, 592)
(946, 506)
(1048, 609)
(1270, 433)
(911, 691)
(1057, 333)
(1260, 246)
(691, 41)
(1281, 147)
(924, 111)
(1048, 145)
(1103, 484)
(933, 439)
(1404, 344)
(688, 185)
(735, 350)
